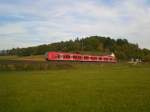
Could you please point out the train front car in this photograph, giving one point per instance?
(51, 56)
(59, 56)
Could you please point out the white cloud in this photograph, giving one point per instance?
(48, 21)
(12, 29)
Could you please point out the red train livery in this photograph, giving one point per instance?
(61, 56)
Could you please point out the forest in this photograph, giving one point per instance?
(123, 49)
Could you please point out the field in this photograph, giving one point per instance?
(83, 88)
(27, 58)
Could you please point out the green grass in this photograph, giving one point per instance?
(23, 58)
(3, 58)
(86, 88)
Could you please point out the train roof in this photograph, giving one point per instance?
(68, 53)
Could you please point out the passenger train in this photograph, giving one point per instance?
(62, 56)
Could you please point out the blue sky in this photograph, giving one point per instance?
(33, 22)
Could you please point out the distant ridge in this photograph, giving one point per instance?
(93, 44)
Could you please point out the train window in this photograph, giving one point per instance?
(58, 56)
(66, 56)
(93, 58)
(86, 57)
(100, 58)
(79, 57)
(74, 57)
(106, 59)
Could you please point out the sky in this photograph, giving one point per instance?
(26, 23)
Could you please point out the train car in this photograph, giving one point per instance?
(62, 56)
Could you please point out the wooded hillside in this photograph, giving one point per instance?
(94, 44)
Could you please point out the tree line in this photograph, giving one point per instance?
(93, 44)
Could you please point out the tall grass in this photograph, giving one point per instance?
(87, 88)
(19, 66)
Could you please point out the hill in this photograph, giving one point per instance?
(123, 49)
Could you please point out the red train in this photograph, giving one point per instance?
(61, 56)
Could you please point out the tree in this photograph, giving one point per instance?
(94, 44)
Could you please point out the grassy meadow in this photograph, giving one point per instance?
(81, 88)
(26, 58)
